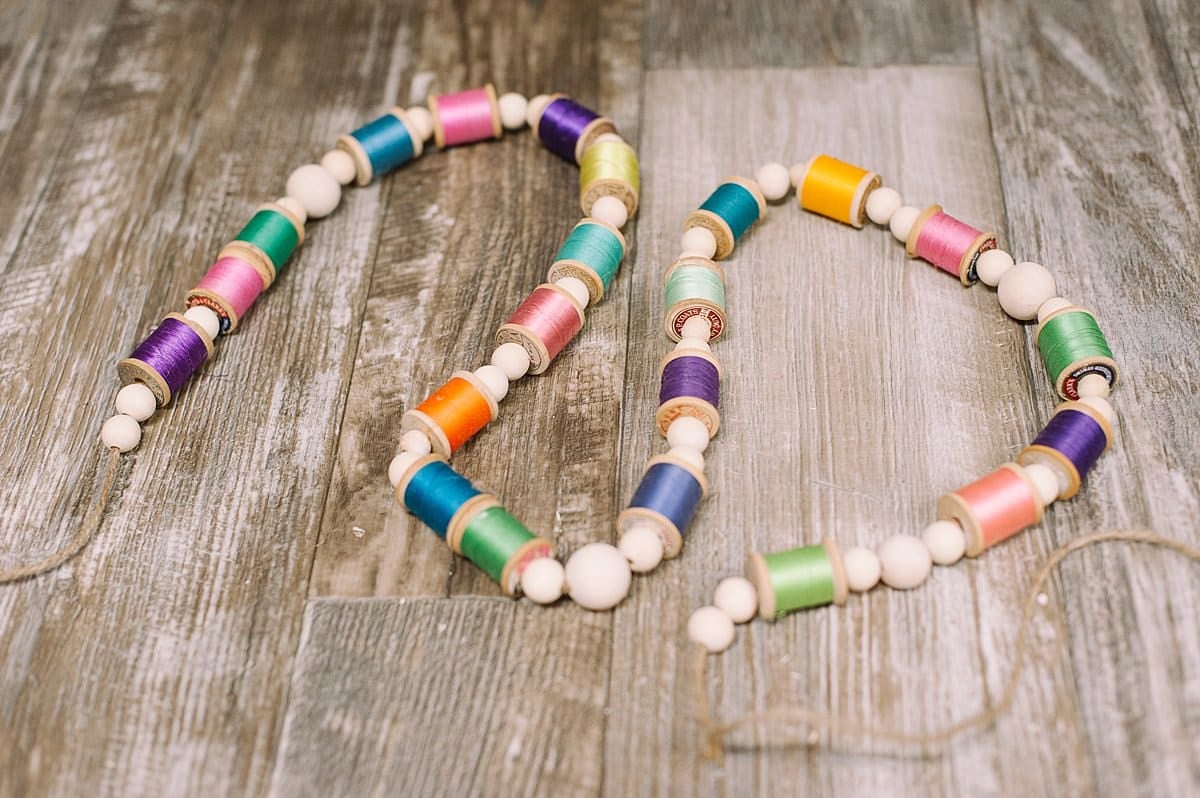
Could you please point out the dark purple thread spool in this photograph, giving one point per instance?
(562, 125)
(174, 351)
(690, 376)
(1072, 441)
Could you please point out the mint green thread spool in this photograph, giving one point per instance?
(694, 286)
(808, 576)
(1072, 347)
(501, 546)
(267, 240)
(591, 253)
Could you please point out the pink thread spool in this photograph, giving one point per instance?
(543, 324)
(993, 508)
(229, 288)
(947, 243)
(465, 117)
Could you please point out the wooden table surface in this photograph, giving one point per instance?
(258, 616)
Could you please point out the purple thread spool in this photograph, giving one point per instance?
(691, 386)
(168, 357)
(566, 128)
(1070, 444)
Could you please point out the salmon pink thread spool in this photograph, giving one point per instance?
(229, 288)
(543, 324)
(948, 244)
(465, 117)
(993, 508)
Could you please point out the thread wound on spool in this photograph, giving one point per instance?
(799, 578)
(500, 545)
(466, 116)
(1070, 444)
(837, 190)
(567, 128)
(543, 324)
(694, 286)
(949, 244)
(435, 492)
(167, 358)
(229, 288)
(729, 212)
(691, 386)
(1072, 347)
(592, 253)
(381, 146)
(668, 496)
(993, 508)
(609, 168)
(267, 240)
(454, 413)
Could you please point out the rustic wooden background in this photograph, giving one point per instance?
(257, 615)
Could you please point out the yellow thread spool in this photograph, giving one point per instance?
(837, 190)
(609, 168)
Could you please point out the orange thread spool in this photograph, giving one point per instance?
(453, 413)
(837, 190)
(993, 508)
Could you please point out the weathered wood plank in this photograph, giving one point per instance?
(464, 696)
(784, 33)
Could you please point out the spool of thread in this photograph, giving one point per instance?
(229, 288)
(434, 492)
(452, 414)
(808, 576)
(1072, 347)
(1070, 444)
(837, 190)
(667, 497)
(543, 324)
(947, 243)
(567, 128)
(592, 253)
(728, 213)
(168, 357)
(694, 286)
(267, 240)
(993, 508)
(609, 168)
(691, 386)
(500, 545)
(465, 117)
(380, 146)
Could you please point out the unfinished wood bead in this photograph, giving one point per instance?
(318, 191)
(736, 597)
(1023, 288)
(121, 432)
(598, 576)
(882, 204)
(642, 546)
(905, 561)
(774, 181)
(137, 401)
(862, 568)
(991, 266)
(946, 542)
(711, 628)
(543, 580)
(513, 108)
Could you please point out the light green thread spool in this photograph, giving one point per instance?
(808, 576)
(694, 287)
(1072, 346)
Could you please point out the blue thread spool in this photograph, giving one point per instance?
(667, 497)
(591, 253)
(379, 147)
(728, 213)
(436, 494)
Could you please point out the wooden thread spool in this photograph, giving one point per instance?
(993, 508)
(229, 289)
(690, 386)
(836, 190)
(609, 168)
(694, 286)
(167, 357)
(465, 117)
(453, 413)
(729, 212)
(568, 129)
(435, 493)
(1069, 445)
(592, 253)
(1072, 346)
(489, 536)
(543, 324)
(807, 576)
(949, 244)
(267, 241)
(382, 145)
(667, 497)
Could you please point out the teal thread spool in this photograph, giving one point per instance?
(728, 213)
(694, 286)
(501, 546)
(267, 240)
(808, 576)
(380, 146)
(592, 253)
(1073, 346)
(434, 492)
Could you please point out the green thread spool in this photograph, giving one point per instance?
(1073, 346)
(808, 576)
(728, 213)
(592, 253)
(268, 239)
(694, 286)
(497, 542)
(609, 168)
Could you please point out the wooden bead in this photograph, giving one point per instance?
(699, 241)
(121, 432)
(598, 576)
(400, 464)
(494, 379)
(576, 288)
(206, 317)
(1024, 288)
(711, 628)
(317, 190)
(1102, 406)
(414, 440)
(512, 359)
(295, 207)
(513, 108)
(534, 109)
(688, 454)
(946, 542)
(1045, 479)
(862, 568)
(902, 222)
(774, 180)
(542, 580)
(1093, 385)
(610, 210)
(689, 432)
(137, 401)
(991, 266)
(421, 121)
(340, 164)
(697, 327)
(642, 546)
(905, 561)
(736, 597)
(1051, 306)
(882, 204)
(693, 344)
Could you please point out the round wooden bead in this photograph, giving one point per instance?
(992, 264)
(576, 288)
(905, 561)
(1052, 306)
(598, 576)
(862, 568)
(421, 121)
(137, 401)
(317, 190)
(736, 597)
(1102, 406)
(294, 207)
(513, 107)
(206, 317)
(774, 181)
(512, 359)
(610, 210)
(882, 204)
(414, 440)
(534, 109)
(946, 542)
(121, 432)
(711, 628)
(689, 432)
(902, 222)
(1045, 479)
(699, 241)
(542, 580)
(697, 327)
(1093, 385)
(340, 164)
(494, 379)
(642, 546)
(1023, 288)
